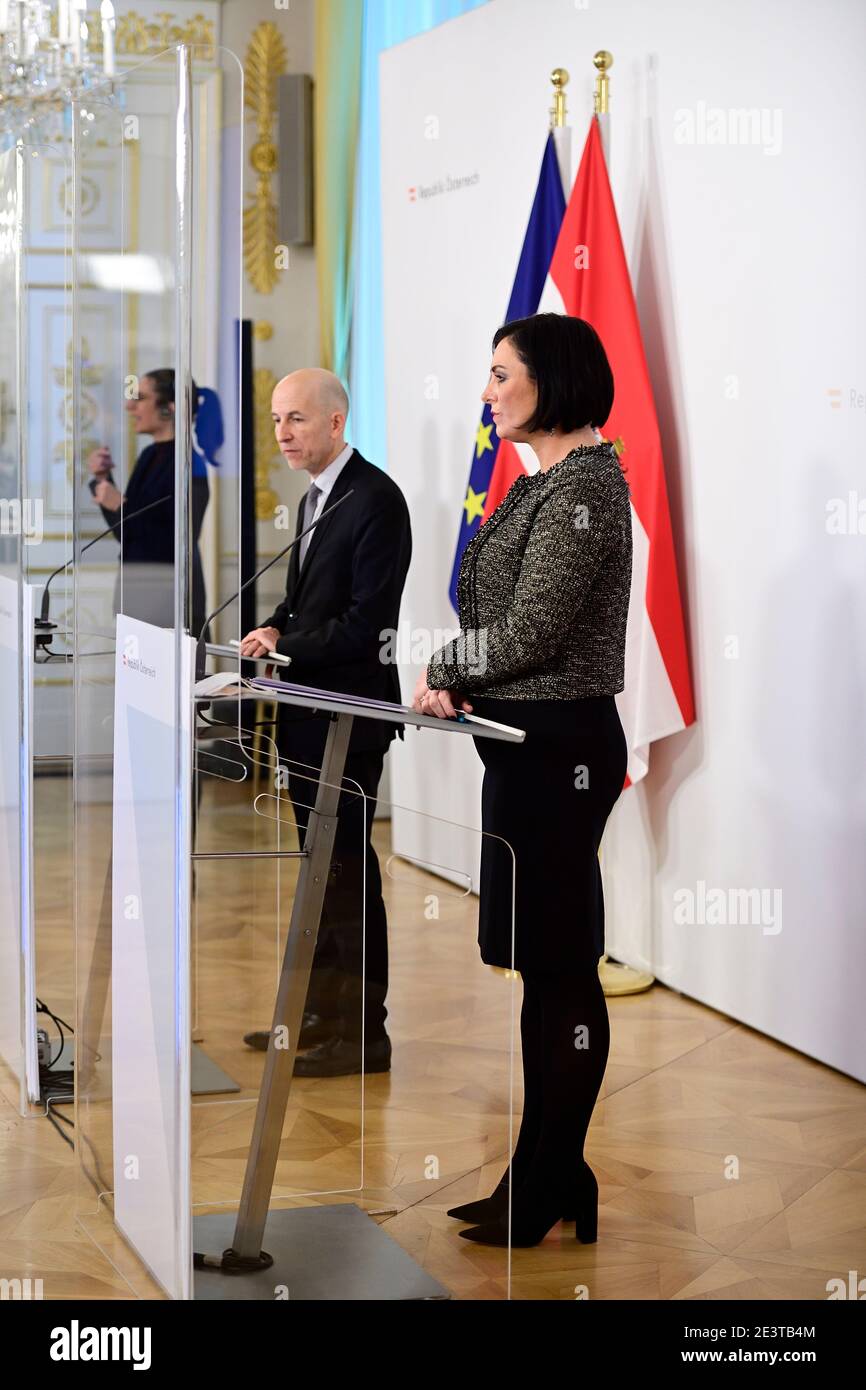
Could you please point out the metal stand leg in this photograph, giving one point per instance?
(291, 995)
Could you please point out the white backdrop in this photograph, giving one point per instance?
(746, 256)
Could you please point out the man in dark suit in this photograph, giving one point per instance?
(343, 592)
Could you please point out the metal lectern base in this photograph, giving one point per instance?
(321, 1253)
(207, 1078)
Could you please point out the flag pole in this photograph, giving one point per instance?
(559, 129)
(615, 977)
(561, 133)
(603, 62)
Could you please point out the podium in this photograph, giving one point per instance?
(328, 1251)
(243, 1222)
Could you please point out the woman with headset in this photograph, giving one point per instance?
(144, 514)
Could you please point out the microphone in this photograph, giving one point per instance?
(44, 628)
(103, 478)
(201, 654)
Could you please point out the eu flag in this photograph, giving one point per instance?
(489, 475)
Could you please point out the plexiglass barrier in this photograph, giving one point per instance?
(12, 808)
(35, 540)
(156, 292)
(237, 944)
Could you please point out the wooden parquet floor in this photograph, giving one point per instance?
(729, 1166)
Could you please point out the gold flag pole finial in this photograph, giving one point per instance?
(602, 61)
(559, 79)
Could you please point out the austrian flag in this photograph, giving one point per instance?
(587, 277)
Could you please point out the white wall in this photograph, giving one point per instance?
(748, 269)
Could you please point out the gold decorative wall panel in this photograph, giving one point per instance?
(267, 453)
(138, 34)
(265, 62)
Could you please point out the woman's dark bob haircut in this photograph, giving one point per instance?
(163, 388)
(565, 359)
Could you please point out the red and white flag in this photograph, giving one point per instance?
(589, 279)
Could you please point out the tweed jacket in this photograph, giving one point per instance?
(543, 589)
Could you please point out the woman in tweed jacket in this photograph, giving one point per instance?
(543, 596)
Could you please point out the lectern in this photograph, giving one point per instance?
(165, 1164)
(328, 1251)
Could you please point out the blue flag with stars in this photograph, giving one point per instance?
(545, 219)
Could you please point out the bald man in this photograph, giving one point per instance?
(343, 591)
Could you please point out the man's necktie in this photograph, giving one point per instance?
(310, 503)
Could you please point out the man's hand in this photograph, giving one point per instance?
(441, 704)
(260, 641)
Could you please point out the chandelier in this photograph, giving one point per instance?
(46, 62)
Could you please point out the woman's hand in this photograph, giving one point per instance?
(108, 496)
(100, 461)
(260, 641)
(441, 704)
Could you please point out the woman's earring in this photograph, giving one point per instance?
(165, 412)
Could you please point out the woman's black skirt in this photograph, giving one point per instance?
(548, 798)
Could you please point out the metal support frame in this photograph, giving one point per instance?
(294, 981)
(291, 994)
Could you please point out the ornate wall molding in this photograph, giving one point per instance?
(267, 500)
(152, 29)
(265, 61)
(139, 34)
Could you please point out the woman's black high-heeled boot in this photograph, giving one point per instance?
(485, 1208)
(531, 1023)
(530, 1223)
(489, 1208)
(574, 1012)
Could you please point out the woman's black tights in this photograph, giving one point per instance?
(565, 1037)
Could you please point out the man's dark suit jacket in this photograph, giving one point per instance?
(346, 595)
